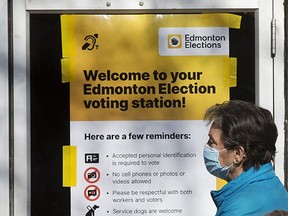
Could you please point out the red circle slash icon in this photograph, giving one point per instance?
(92, 175)
(92, 192)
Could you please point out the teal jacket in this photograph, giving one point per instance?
(253, 193)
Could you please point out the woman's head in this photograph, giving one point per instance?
(245, 126)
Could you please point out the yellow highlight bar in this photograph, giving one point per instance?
(69, 166)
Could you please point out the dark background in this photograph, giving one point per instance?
(49, 118)
(50, 106)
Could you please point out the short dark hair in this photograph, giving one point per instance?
(245, 124)
(277, 213)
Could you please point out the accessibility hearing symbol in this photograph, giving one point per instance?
(90, 42)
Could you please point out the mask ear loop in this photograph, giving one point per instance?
(273, 162)
(222, 149)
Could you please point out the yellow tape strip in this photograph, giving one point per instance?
(68, 73)
(220, 183)
(221, 20)
(233, 72)
(230, 72)
(68, 47)
(69, 166)
(234, 21)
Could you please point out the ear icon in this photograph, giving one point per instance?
(90, 42)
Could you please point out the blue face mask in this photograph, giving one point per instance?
(211, 158)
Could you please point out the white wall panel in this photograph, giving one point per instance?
(279, 103)
(21, 109)
(4, 112)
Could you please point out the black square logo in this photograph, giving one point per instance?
(92, 158)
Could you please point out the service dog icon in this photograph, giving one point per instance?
(91, 210)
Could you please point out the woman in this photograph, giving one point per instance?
(240, 150)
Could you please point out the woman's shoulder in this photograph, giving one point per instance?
(253, 192)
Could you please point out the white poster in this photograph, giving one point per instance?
(141, 168)
(139, 88)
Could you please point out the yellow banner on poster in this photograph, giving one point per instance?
(147, 67)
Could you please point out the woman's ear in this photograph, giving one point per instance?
(239, 155)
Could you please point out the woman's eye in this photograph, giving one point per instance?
(210, 142)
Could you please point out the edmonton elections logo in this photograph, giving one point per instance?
(174, 41)
(193, 41)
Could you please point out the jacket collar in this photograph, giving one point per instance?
(264, 172)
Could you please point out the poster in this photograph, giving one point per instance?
(139, 86)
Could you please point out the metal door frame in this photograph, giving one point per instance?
(15, 103)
